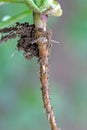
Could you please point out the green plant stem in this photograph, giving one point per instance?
(15, 19)
(39, 21)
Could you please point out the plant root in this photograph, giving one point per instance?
(44, 45)
(35, 43)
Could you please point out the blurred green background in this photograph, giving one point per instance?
(21, 106)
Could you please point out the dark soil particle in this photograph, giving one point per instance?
(27, 38)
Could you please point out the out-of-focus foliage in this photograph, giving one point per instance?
(21, 106)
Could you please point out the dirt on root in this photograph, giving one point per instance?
(35, 43)
(27, 39)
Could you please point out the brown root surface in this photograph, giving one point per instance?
(44, 51)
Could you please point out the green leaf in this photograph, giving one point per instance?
(12, 1)
(15, 19)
